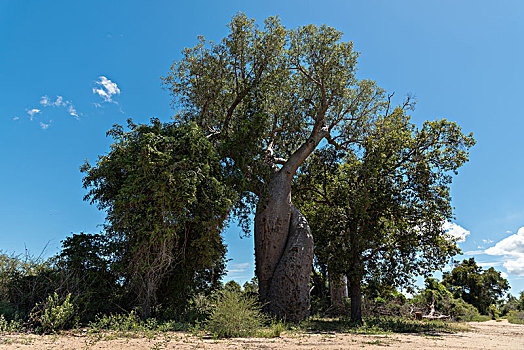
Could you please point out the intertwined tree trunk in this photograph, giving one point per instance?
(283, 252)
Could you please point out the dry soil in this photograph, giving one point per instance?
(484, 335)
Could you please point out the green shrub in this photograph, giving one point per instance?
(10, 326)
(404, 325)
(53, 314)
(493, 311)
(118, 323)
(515, 316)
(459, 309)
(380, 325)
(235, 315)
(198, 309)
(131, 323)
(274, 330)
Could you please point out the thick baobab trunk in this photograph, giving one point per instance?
(283, 252)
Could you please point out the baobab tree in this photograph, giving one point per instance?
(267, 97)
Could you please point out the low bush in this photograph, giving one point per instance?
(10, 326)
(380, 324)
(405, 325)
(130, 323)
(53, 314)
(515, 316)
(235, 315)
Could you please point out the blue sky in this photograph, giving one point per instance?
(71, 69)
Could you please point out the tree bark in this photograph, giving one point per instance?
(283, 252)
(356, 301)
(338, 287)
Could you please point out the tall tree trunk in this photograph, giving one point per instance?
(283, 252)
(338, 287)
(356, 300)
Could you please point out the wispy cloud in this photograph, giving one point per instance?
(474, 252)
(16, 117)
(45, 101)
(32, 113)
(456, 232)
(512, 249)
(490, 263)
(239, 270)
(107, 89)
(44, 126)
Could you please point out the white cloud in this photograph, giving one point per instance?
(16, 117)
(473, 252)
(238, 270)
(46, 102)
(456, 232)
(44, 126)
(489, 264)
(512, 245)
(32, 113)
(107, 89)
(60, 102)
(72, 111)
(515, 266)
(512, 248)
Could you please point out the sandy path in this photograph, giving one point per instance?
(485, 335)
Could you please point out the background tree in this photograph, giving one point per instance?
(161, 186)
(267, 97)
(377, 211)
(481, 288)
(85, 264)
(436, 298)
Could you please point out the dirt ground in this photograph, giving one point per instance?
(484, 335)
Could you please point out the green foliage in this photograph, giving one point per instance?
(233, 287)
(166, 203)
(516, 317)
(275, 329)
(510, 304)
(198, 308)
(119, 322)
(493, 311)
(264, 91)
(130, 324)
(53, 315)
(10, 326)
(251, 287)
(382, 300)
(404, 325)
(520, 305)
(24, 282)
(235, 315)
(445, 302)
(380, 325)
(376, 212)
(85, 263)
(480, 288)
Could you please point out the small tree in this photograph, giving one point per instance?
(166, 203)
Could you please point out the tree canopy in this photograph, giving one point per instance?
(266, 97)
(481, 288)
(161, 186)
(377, 210)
